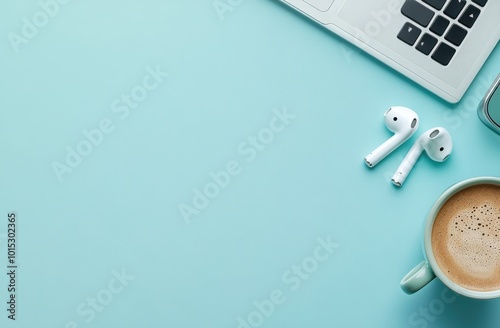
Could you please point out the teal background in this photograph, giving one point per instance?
(119, 209)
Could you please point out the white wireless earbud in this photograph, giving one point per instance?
(437, 144)
(403, 122)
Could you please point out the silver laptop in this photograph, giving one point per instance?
(440, 44)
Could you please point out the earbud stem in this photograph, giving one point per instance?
(384, 149)
(407, 165)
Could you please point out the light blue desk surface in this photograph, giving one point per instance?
(101, 239)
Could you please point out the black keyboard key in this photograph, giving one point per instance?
(426, 44)
(439, 25)
(480, 2)
(454, 8)
(409, 33)
(417, 12)
(438, 4)
(443, 54)
(456, 35)
(469, 16)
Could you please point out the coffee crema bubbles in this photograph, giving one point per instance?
(466, 238)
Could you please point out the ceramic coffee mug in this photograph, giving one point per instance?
(427, 270)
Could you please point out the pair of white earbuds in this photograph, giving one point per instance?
(404, 123)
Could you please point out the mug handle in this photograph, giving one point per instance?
(417, 278)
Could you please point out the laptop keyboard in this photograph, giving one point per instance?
(433, 20)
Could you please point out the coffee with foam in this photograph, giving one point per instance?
(466, 238)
